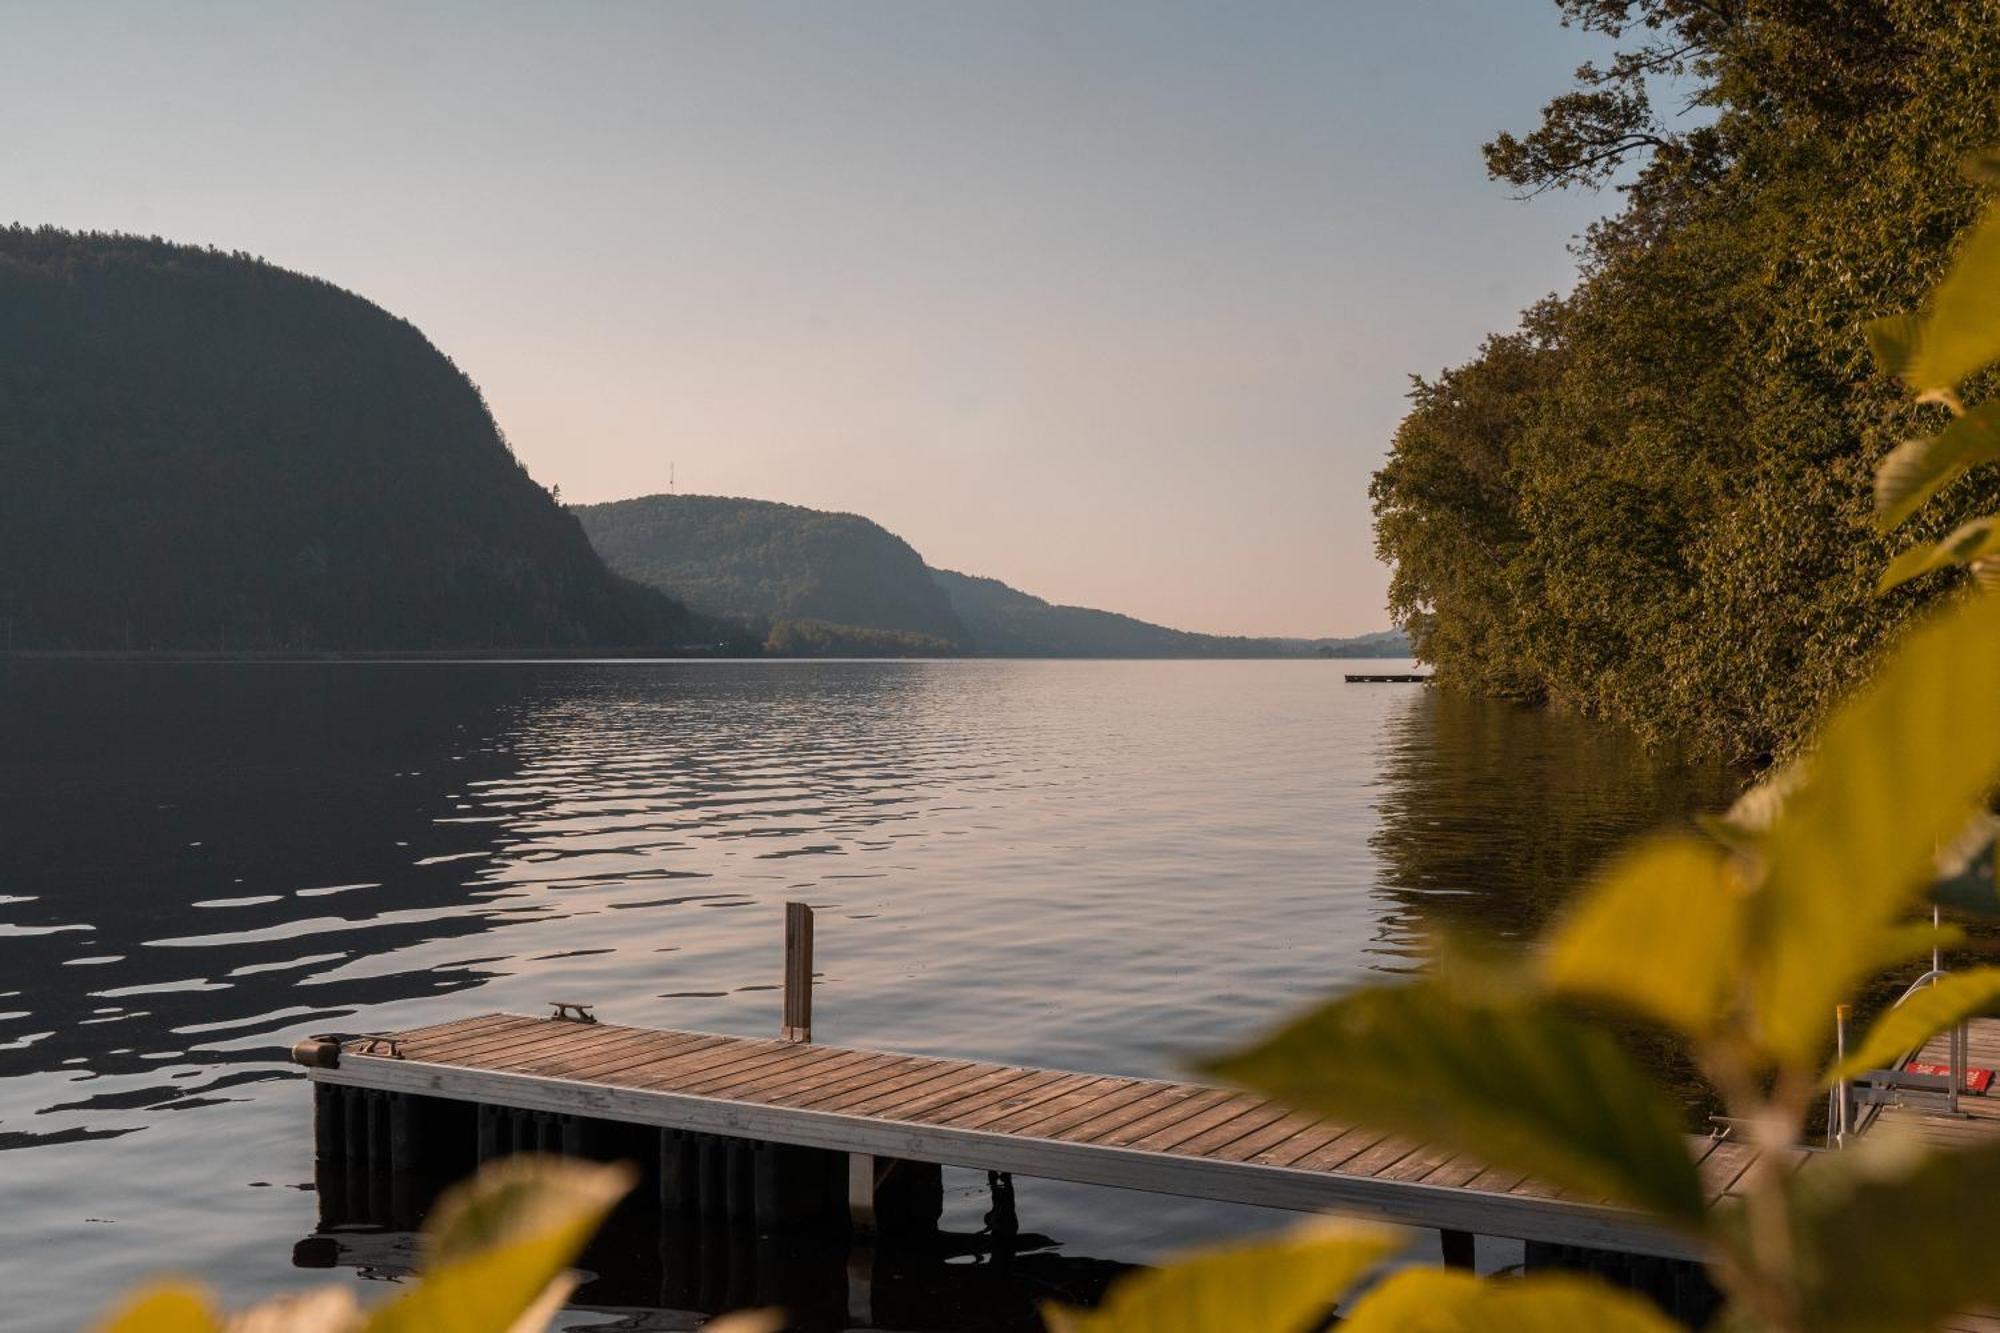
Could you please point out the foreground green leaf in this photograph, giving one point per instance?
(496, 1243)
(1660, 933)
(1945, 1003)
(1968, 542)
(1513, 1082)
(1893, 341)
(167, 1307)
(1287, 1285)
(1965, 879)
(1961, 329)
(1916, 469)
(1888, 1237)
(1437, 1300)
(1900, 771)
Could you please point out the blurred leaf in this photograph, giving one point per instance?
(1437, 1300)
(1889, 1238)
(1900, 771)
(520, 1198)
(1915, 469)
(1966, 877)
(747, 1321)
(1660, 933)
(1913, 1022)
(495, 1243)
(1893, 340)
(1982, 167)
(1961, 327)
(166, 1307)
(1287, 1285)
(1515, 1083)
(1911, 941)
(319, 1310)
(1969, 541)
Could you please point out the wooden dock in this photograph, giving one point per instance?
(1392, 678)
(789, 1136)
(1975, 1120)
(876, 1106)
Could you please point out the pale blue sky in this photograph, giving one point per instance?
(1113, 301)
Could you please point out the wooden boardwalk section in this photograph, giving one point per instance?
(1978, 1118)
(1144, 1134)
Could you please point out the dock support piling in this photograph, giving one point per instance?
(1460, 1249)
(798, 972)
(890, 1196)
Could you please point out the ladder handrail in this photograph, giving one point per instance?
(1839, 1096)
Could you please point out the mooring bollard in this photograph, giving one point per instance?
(798, 972)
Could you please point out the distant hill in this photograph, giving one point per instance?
(762, 563)
(837, 583)
(201, 451)
(1007, 622)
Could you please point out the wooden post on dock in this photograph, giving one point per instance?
(798, 972)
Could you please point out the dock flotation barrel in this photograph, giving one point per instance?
(317, 1053)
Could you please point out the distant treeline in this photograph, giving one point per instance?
(1651, 501)
(817, 638)
(200, 451)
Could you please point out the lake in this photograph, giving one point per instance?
(1104, 866)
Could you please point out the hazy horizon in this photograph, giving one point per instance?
(1116, 305)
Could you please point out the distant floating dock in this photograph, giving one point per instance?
(1391, 678)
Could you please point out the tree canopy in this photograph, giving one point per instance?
(1649, 502)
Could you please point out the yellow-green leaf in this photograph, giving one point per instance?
(1661, 933)
(1916, 469)
(166, 1307)
(1969, 541)
(1961, 327)
(1909, 942)
(316, 1310)
(1889, 1238)
(1437, 1300)
(1899, 772)
(1982, 167)
(1943, 1004)
(1893, 340)
(1287, 1285)
(495, 1243)
(1513, 1082)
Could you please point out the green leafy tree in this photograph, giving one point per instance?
(1696, 554)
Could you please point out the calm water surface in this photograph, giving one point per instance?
(1100, 866)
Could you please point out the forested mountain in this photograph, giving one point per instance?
(1651, 501)
(762, 562)
(821, 583)
(202, 451)
(1007, 622)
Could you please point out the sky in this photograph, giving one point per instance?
(1117, 302)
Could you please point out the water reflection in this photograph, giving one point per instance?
(649, 1273)
(1099, 866)
(1491, 815)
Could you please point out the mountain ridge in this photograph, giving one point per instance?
(795, 572)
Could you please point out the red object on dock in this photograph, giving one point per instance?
(1976, 1080)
